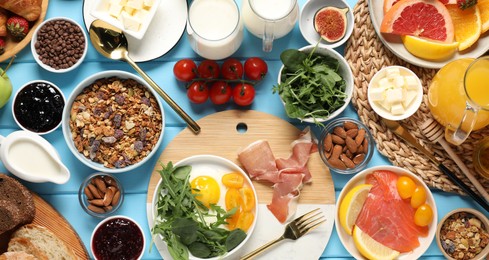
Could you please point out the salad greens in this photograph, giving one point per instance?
(310, 84)
(181, 219)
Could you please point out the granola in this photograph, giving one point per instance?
(115, 122)
(463, 236)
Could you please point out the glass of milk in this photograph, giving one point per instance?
(214, 28)
(270, 19)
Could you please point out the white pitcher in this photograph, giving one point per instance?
(270, 19)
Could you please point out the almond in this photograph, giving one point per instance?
(100, 183)
(97, 202)
(352, 133)
(360, 136)
(108, 197)
(340, 131)
(350, 125)
(328, 143)
(351, 144)
(337, 150)
(349, 163)
(358, 158)
(337, 139)
(95, 192)
(115, 199)
(337, 163)
(88, 193)
(96, 209)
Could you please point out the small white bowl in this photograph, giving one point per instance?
(413, 106)
(36, 55)
(100, 10)
(42, 88)
(120, 230)
(358, 179)
(344, 71)
(67, 118)
(306, 22)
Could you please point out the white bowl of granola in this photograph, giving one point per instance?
(113, 121)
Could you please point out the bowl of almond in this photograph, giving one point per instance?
(101, 194)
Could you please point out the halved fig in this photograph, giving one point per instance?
(330, 22)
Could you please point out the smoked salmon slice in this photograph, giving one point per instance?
(386, 217)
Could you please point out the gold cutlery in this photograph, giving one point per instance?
(403, 133)
(294, 230)
(112, 43)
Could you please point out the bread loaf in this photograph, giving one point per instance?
(3, 22)
(9, 216)
(20, 244)
(14, 192)
(29, 9)
(45, 241)
(17, 256)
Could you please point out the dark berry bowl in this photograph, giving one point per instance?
(64, 38)
(113, 121)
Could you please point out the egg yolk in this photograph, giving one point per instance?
(207, 190)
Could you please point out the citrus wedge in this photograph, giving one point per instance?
(370, 248)
(424, 18)
(483, 6)
(351, 205)
(467, 25)
(428, 49)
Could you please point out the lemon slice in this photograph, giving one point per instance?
(428, 49)
(370, 248)
(351, 205)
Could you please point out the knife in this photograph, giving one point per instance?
(402, 133)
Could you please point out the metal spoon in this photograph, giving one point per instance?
(112, 43)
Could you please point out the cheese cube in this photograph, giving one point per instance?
(377, 94)
(129, 10)
(136, 4)
(130, 22)
(394, 95)
(115, 10)
(384, 104)
(408, 98)
(392, 72)
(148, 3)
(397, 109)
(411, 82)
(398, 81)
(141, 14)
(384, 83)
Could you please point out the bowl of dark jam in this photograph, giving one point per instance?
(38, 106)
(117, 237)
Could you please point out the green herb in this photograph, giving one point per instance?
(310, 84)
(181, 219)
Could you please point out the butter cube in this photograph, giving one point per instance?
(141, 14)
(115, 10)
(377, 94)
(384, 104)
(130, 22)
(394, 95)
(398, 81)
(408, 98)
(384, 83)
(411, 82)
(148, 3)
(397, 109)
(129, 10)
(392, 72)
(135, 4)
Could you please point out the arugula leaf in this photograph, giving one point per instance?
(311, 85)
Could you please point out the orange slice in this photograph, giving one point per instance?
(467, 25)
(483, 6)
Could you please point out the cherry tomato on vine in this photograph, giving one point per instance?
(232, 69)
(208, 69)
(198, 92)
(185, 70)
(255, 68)
(220, 92)
(243, 94)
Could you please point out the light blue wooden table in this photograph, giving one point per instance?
(64, 197)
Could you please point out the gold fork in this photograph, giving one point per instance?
(294, 230)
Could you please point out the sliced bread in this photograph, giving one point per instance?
(9, 216)
(17, 256)
(21, 244)
(46, 241)
(13, 191)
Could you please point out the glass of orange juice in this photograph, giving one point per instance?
(459, 97)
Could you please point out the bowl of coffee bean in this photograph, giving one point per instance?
(59, 44)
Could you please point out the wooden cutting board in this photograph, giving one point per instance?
(50, 218)
(226, 133)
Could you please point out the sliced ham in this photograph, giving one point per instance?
(286, 174)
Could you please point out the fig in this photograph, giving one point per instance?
(330, 22)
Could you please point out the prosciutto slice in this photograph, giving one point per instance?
(286, 174)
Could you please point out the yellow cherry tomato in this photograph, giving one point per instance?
(248, 198)
(419, 197)
(405, 187)
(245, 220)
(233, 199)
(423, 215)
(233, 220)
(233, 180)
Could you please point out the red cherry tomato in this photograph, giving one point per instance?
(198, 92)
(220, 92)
(185, 70)
(243, 94)
(232, 69)
(208, 69)
(255, 68)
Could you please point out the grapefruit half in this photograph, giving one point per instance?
(423, 18)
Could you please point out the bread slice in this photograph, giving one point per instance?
(21, 244)
(9, 216)
(17, 256)
(13, 191)
(45, 241)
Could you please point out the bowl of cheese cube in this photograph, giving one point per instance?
(395, 92)
(133, 17)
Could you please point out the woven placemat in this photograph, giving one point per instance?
(366, 54)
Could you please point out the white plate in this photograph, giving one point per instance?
(267, 228)
(395, 45)
(163, 33)
(358, 179)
